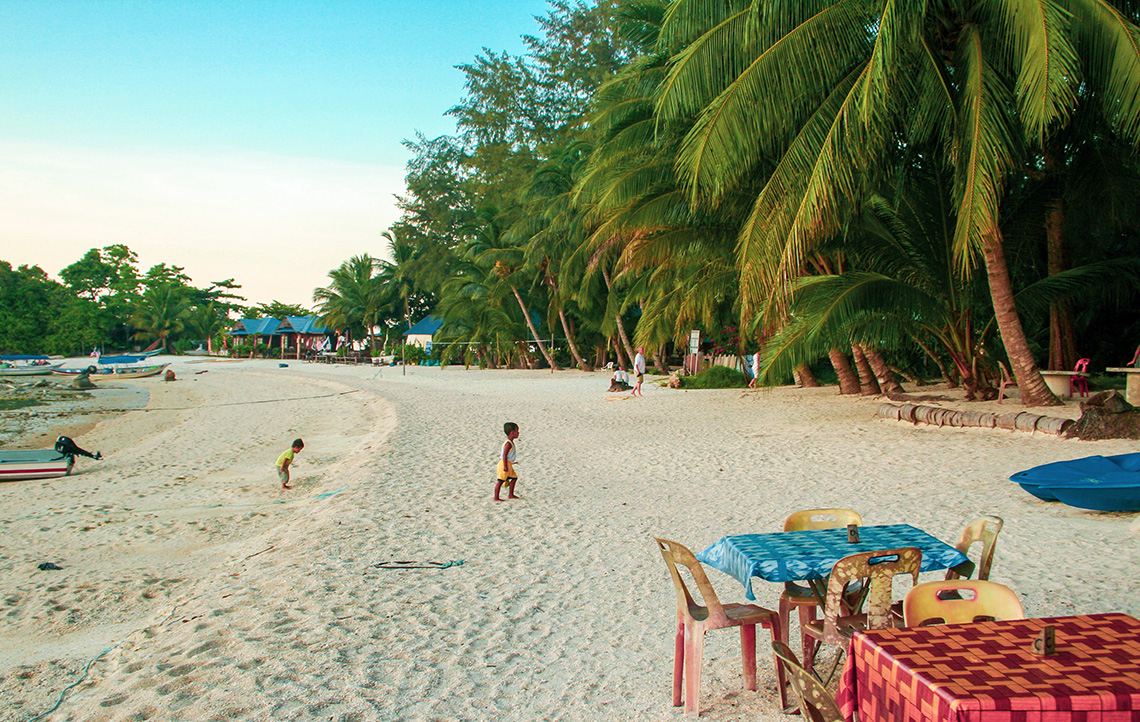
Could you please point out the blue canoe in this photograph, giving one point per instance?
(1101, 483)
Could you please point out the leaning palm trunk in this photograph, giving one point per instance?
(659, 361)
(570, 342)
(886, 377)
(533, 330)
(621, 359)
(868, 385)
(617, 318)
(805, 378)
(1032, 387)
(848, 381)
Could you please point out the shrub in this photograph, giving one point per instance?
(715, 377)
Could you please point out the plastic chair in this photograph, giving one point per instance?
(1006, 380)
(816, 703)
(796, 595)
(1079, 380)
(984, 530)
(947, 603)
(693, 620)
(879, 569)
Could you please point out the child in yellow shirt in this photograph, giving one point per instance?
(286, 460)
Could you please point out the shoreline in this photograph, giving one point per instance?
(223, 596)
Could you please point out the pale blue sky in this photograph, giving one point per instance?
(260, 140)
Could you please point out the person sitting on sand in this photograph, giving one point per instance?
(506, 471)
(286, 460)
(620, 380)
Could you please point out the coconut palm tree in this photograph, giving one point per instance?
(160, 313)
(353, 300)
(834, 88)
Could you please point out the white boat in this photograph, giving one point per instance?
(112, 373)
(26, 365)
(34, 464)
(41, 463)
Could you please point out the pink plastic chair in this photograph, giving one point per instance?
(1079, 381)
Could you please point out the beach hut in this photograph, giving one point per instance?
(253, 329)
(302, 333)
(423, 331)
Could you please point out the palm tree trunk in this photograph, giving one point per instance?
(886, 377)
(848, 381)
(804, 377)
(868, 385)
(622, 361)
(1031, 386)
(570, 342)
(617, 317)
(1062, 337)
(533, 330)
(659, 360)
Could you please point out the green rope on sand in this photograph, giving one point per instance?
(59, 701)
(419, 565)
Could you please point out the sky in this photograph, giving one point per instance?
(258, 140)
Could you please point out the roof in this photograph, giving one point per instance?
(255, 327)
(302, 325)
(427, 326)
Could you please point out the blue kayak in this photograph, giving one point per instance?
(1100, 483)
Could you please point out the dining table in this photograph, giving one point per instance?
(788, 556)
(989, 672)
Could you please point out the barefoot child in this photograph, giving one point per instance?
(506, 473)
(286, 460)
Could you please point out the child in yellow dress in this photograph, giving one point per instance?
(506, 472)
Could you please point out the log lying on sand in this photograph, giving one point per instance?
(936, 416)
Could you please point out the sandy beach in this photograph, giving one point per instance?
(202, 591)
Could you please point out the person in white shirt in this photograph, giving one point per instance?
(639, 370)
(755, 369)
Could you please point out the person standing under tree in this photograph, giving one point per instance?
(755, 369)
(506, 473)
(639, 369)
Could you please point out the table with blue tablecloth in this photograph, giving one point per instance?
(788, 556)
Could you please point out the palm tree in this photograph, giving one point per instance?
(354, 298)
(160, 313)
(833, 89)
(208, 321)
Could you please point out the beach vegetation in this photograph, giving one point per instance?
(715, 377)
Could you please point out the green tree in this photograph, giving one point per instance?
(353, 300)
(161, 313)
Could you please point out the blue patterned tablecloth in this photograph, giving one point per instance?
(788, 556)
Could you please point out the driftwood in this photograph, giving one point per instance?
(1106, 416)
(937, 416)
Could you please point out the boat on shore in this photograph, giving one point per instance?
(1098, 483)
(18, 464)
(34, 464)
(26, 365)
(115, 368)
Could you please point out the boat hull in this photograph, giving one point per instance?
(28, 371)
(113, 374)
(34, 464)
(1099, 483)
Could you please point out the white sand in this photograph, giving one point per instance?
(221, 597)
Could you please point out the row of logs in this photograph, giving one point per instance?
(1015, 420)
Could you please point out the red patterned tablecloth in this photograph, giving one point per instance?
(985, 672)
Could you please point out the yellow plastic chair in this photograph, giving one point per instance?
(693, 620)
(983, 530)
(796, 595)
(816, 703)
(877, 570)
(960, 602)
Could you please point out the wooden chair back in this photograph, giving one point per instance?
(822, 519)
(960, 602)
(816, 703)
(1006, 380)
(712, 612)
(984, 530)
(877, 570)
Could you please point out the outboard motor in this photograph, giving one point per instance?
(64, 445)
